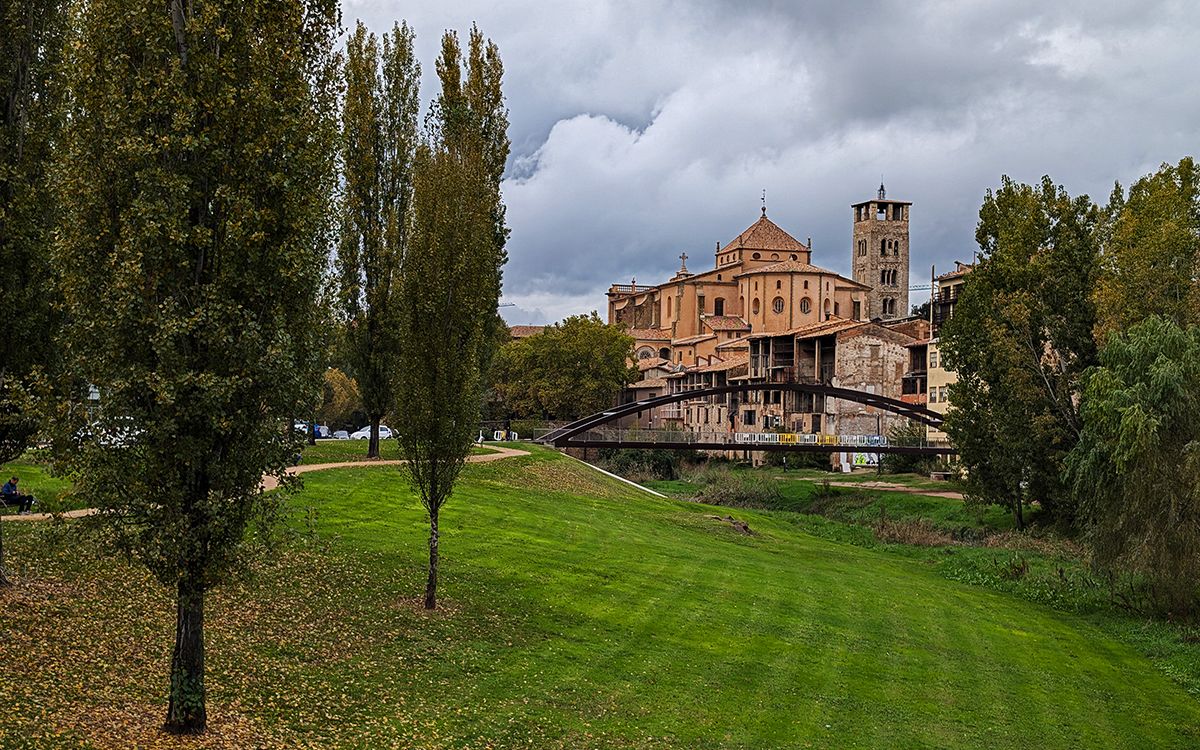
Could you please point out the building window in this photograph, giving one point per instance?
(777, 305)
(875, 351)
(748, 418)
(664, 353)
(795, 257)
(756, 256)
(933, 358)
(857, 309)
(883, 247)
(700, 303)
(754, 306)
(806, 283)
(942, 394)
(645, 353)
(774, 256)
(805, 306)
(897, 212)
(719, 304)
(933, 394)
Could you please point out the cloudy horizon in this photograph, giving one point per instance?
(644, 130)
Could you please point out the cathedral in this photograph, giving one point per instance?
(765, 313)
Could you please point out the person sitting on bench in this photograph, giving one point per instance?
(13, 497)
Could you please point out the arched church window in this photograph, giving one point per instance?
(777, 305)
(806, 305)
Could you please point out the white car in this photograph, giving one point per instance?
(365, 433)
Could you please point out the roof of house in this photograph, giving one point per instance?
(765, 234)
(520, 332)
(649, 383)
(693, 339)
(726, 323)
(796, 266)
(732, 363)
(812, 330)
(649, 334)
(733, 344)
(651, 362)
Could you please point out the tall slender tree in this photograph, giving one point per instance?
(379, 139)
(29, 55)
(451, 278)
(196, 180)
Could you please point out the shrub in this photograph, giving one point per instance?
(740, 489)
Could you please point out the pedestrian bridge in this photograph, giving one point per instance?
(604, 430)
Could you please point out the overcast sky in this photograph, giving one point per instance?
(644, 129)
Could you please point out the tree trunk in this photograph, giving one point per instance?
(373, 442)
(431, 584)
(312, 431)
(186, 712)
(1018, 515)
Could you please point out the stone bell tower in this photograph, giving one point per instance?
(880, 254)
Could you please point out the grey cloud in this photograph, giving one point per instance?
(641, 130)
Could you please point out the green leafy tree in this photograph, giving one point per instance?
(1151, 258)
(1136, 466)
(1019, 341)
(29, 59)
(195, 182)
(451, 280)
(571, 369)
(340, 401)
(379, 138)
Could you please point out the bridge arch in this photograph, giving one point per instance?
(561, 436)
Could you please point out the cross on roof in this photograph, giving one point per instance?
(683, 261)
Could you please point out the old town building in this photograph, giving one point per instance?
(766, 314)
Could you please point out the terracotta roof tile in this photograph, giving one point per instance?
(650, 383)
(765, 234)
(726, 323)
(824, 328)
(795, 266)
(734, 344)
(651, 362)
(649, 334)
(693, 339)
(729, 364)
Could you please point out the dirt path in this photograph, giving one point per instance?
(270, 483)
(892, 487)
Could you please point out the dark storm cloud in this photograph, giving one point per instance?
(642, 130)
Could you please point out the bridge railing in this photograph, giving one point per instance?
(619, 435)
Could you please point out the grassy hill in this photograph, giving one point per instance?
(579, 613)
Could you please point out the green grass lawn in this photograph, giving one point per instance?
(579, 613)
(337, 451)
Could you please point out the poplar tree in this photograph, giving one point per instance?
(29, 55)
(451, 278)
(379, 138)
(195, 184)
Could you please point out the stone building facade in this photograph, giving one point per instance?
(881, 255)
(765, 314)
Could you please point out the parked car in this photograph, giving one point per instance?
(365, 433)
(341, 435)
